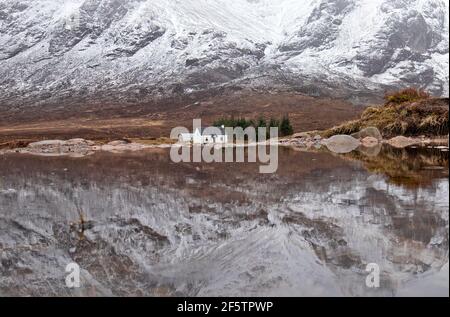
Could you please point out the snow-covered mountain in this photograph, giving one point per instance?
(153, 48)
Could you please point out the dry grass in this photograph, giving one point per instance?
(406, 95)
(156, 119)
(153, 141)
(14, 144)
(424, 117)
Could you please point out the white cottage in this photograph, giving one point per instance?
(211, 135)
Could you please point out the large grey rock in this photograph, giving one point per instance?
(118, 142)
(342, 144)
(46, 144)
(60, 147)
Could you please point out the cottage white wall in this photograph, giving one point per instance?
(198, 138)
(185, 137)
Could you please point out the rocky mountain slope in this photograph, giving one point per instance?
(133, 50)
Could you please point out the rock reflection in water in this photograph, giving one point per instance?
(411, 167)
(154, 228)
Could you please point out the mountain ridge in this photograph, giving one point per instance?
(144, 49)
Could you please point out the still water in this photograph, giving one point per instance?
(139, 225)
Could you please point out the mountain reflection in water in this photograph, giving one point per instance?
(138, 224)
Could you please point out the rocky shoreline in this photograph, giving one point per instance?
(368, 140)
(79, 147)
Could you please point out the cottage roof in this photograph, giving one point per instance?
(221, 129)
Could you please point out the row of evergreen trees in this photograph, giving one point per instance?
(284, 124)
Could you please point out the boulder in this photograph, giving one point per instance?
(122, 147)
(76, 142)
(73, 147)
(118, 143)
(368, 132)
(369, 142)
(310, 144)
(402, 142)
(297, 142)
(342, 144)
(46, 144)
